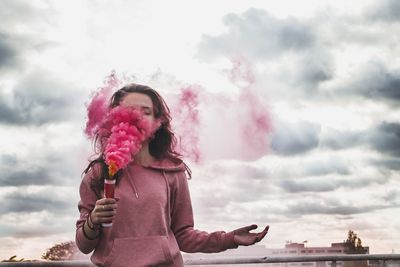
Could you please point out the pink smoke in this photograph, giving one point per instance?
(208, 125)
(256, 124)
(224, 125)
(98, 106)
(241, 74)
(186, 118)
(129, 130)
(121, 130)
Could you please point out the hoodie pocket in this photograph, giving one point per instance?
(140, 252)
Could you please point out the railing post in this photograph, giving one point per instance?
(333, 264)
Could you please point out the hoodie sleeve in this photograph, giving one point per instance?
(85, 205)
(191, 240)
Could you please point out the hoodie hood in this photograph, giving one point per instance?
(168, 165)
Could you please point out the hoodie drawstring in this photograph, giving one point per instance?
(132, 182)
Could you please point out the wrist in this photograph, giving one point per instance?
(90, 233)
(92, 226)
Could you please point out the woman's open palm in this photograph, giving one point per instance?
(243, 237)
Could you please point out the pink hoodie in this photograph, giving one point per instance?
(153, 223)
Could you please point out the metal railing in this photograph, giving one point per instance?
(383, 258)
(279, 259)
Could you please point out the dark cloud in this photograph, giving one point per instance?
(21, 28)
(392, 196)
(308, 46)
(376, 82)
(328, 183)
(315, 207)
(9, 115)
(52, 169)
(23, 201)
(295, 138)
(8, 54)
(314, 67)
(386, 164)
(384, 10)
(15, 48)
(385, 138)
(258, 35)
(39, 176)
(334, 166)
(39, 98)
(41, 230)
(315, 169)
(296, 185)
(341, 139)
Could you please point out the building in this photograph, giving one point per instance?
(299, 249)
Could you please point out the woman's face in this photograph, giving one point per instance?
(140, 101)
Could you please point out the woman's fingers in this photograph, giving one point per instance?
(260, 236)
(106, 214)
(106, 201)
(105, 204)
(107, 207)
(104, 210)
(247, 228)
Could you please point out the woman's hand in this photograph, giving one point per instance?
(104, 211)
(243, 237)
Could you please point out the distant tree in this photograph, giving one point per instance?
(59, 252)
(353, 245)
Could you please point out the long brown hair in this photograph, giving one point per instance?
(161, 146)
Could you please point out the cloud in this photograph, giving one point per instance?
(386, 164)
(258, 35)
(261, 37)
(315, 207)
(8, 54)
(385, 138)
(237, 180)
(22, 32)
(36, 199)
(49, 167)
(374, 81)
(304, 52)
(313, 67)
(35, 224)
(329, 166)
(328, 183)
(384, 10)
(40, 98)
(314, 185)
(335, 139)
(295, 138)
(37, 176)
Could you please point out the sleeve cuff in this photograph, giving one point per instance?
(85, 244)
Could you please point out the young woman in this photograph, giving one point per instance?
(151, 215)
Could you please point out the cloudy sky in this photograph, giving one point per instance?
(296, 104)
